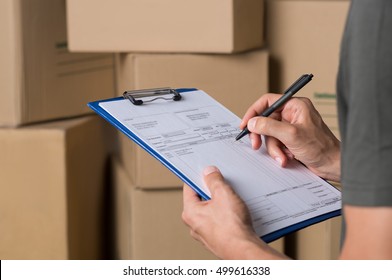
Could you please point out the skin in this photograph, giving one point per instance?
(294, 131)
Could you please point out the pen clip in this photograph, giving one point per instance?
(304, 76)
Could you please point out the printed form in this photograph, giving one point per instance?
(197, 131)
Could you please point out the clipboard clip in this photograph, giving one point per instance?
(138, 97)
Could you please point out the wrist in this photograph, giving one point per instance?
(327, 164)
(332, 169)
(253, 248)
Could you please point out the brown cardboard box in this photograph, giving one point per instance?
(213, 26)
(40, 80)
(319, 242)
(51, 190)
(304, 37)
(149, 225)
(148, 222)
(234, 80)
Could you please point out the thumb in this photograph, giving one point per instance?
(213, 179)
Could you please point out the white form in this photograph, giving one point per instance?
(197, 131)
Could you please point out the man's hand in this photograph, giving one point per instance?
(296, 130)
(223, 224)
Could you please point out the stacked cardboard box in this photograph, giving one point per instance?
(174, 26)
(40, 79)
(52, 179)
(148, 224)
(162, 45)
(304, 36)
(51, 174)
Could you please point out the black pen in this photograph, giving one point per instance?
(296, 86)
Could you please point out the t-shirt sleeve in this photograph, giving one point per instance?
(365, 104)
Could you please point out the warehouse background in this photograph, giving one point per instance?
(72, 187)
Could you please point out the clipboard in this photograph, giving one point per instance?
(271, 217)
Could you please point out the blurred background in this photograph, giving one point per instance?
(72, 187)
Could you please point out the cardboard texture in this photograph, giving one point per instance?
(149, 225)
(213, 26)
(51, 190)
(234, 80)
(304, 37)
(320, 241)
(40, 79)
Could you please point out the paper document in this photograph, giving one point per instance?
(197, 131)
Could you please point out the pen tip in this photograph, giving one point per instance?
(242, 134)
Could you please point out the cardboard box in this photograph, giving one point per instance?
(319, 242)
(304, 37)
(149, 225)
(52, 179)
(40, 80)
(234, 80)
(213, 26)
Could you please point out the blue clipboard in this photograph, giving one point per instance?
(142, 93)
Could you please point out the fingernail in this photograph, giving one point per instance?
(210, 169)
(251, 123)
(279, 160)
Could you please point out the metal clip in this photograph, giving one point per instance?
(137, 96)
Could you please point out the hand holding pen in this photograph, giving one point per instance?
(295, 87)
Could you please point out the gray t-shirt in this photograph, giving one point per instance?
(365, 104)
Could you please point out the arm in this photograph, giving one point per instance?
(368, 233)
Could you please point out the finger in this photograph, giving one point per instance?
(190, 197)
(191, 202)
(288, 153)
(283, 131)
(256, 141)
(258, 107)
(275, 150)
